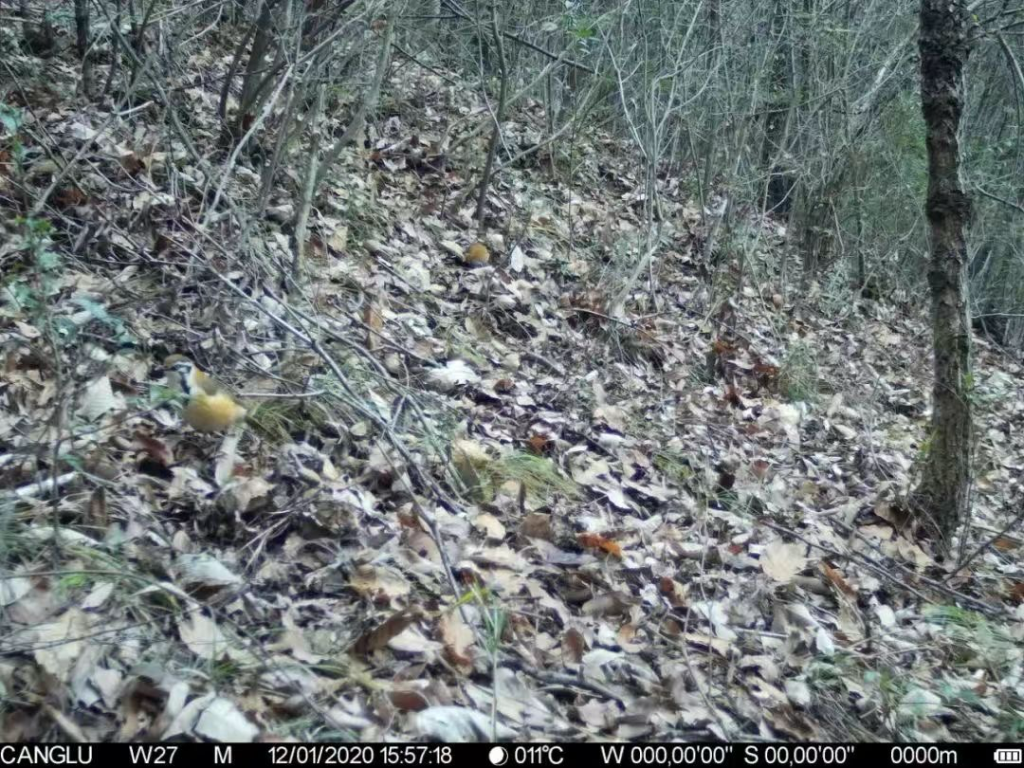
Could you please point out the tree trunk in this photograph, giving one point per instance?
(778, 188)
(943, 496)
(82, 44)
(254, 68)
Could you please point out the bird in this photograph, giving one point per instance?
(210, 407)
(477, 255)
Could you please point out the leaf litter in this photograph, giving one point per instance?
(472, 504)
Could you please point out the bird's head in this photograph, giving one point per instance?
(183, 372)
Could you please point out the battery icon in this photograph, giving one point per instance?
(1009, 756)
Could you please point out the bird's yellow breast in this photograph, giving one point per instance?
(212, 413)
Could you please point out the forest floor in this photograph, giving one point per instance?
(467, 503)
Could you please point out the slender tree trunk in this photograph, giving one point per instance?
(499, 116)
(254, 73)
(308, 190)
(82, 44)
(781, 98)
(943, 496)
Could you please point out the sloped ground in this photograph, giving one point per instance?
(467, 503)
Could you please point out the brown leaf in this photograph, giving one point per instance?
(627, 638)
(732, 397)
(409, 700)
(1017, 592)
(161, 244)
(381, 635)
(69, 197)
(726, 477)
(98, 515)
(157, 450)
(836, 579)
(537, 526)
(375, 322)
(789, 721)
(767, 375)
(673, 591)
(573, 645)
(132, 164)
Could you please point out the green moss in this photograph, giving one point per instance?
(538, 475)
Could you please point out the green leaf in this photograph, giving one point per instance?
(10, 118)
(47, 260)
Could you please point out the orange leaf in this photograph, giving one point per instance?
(538, 444)
(673, 590)
(596, 541)
(837, 580)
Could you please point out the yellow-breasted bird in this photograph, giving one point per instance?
(476, 255)
(210, 407)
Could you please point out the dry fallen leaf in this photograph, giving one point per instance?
(782, 561)
(59, 643)
(459, 725)
(490, 526)
(205, 571)
(458, 640)
(537, 526)
(202, 635)
(97, 399)
(379, 584)
(608, 604)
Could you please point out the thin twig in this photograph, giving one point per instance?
(886, 573)
(967, 561)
